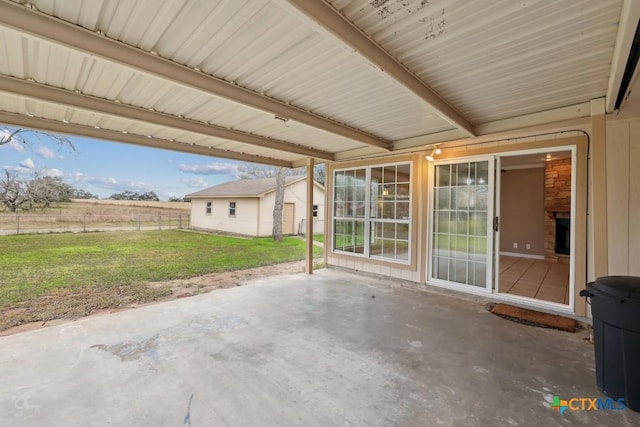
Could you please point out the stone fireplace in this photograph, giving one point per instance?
(557, 208)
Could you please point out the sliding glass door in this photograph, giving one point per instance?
(462, 218)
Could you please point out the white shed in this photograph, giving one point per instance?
(246, 206)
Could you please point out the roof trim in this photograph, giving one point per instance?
(249, 196)
(47, 125)
(342, 29)
(42, 92)
(629, 17)
(49, 28)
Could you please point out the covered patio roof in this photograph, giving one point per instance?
(280, 81)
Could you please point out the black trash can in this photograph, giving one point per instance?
(615, 306)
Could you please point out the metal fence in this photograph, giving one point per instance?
(27, 224)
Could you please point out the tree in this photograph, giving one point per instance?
(83, 194)
(149, 196)
(132, 195)
(277, 208)
(279, 173)
(177, 199)
(45, 190)
(13, 192)
(8, 135)
(26, 194)
(255, 171)
(319, 174)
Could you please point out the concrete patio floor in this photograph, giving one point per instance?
(334, 348)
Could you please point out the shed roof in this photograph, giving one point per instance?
(255, 187)
(279, 81)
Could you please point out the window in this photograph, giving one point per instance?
(232, 208)
(372, 210)
(315, 211)
(208, 211)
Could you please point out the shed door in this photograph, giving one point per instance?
(288, 218)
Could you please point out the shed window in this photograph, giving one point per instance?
(315, 211)
(371, 211)
(232, 208)
(208, 210)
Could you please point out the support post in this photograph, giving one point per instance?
(599, 188)
(309, 231)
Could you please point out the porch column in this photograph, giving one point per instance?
(599, 187)
(309, 232)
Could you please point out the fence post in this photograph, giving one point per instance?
(180, 221)
(138, 222)
(17, 224)
(84, 223)
(159, 222)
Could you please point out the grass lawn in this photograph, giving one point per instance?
(44, 277)
(318, 238)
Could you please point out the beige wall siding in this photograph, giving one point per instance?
(417, 270)
(245, 221)
(362, 264)
(254, 216)
(297, 194)
(623, 197)
(522, 210)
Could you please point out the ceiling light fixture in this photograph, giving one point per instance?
(435, 152)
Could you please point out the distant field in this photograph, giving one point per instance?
(51, 276)
(93, 215)
(136, 203)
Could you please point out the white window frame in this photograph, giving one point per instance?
(208, 207)
(232, 209)
(368, 219)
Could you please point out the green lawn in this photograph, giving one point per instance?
(38, 267)
(318, 238)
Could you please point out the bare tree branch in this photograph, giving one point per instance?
(18, 135)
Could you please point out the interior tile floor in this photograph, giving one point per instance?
(534, 278)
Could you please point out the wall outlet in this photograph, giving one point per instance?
(515, 245)
(528, 246)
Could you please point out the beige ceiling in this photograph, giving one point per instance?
(279, 81)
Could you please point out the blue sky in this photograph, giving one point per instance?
(104, 168)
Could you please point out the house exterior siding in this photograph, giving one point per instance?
(623, 197)
(245, 221)
(254, 214)
(417, 268)
(295, 193)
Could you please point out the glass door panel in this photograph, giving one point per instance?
(462, 214)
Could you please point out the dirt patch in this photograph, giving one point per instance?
(62, 307)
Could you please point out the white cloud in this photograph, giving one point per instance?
(137, 185)
(196, 182)
(98, 181)
(27, 163)
(210, 169)
(46, 153)
(111, 183)
(53, 173)
(25, 167)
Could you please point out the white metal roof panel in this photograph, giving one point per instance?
(489, 60)
(501, 58)
(259, 45)
(59, 66)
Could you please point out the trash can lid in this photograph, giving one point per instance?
(619, 286)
